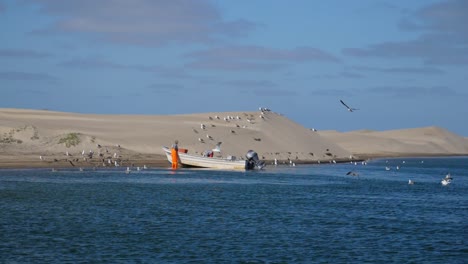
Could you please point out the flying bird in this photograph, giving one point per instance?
(217, 147)
(349, 108)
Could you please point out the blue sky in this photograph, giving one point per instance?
(404, 64)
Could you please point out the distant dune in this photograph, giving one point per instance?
(25, 135)
(405, 142)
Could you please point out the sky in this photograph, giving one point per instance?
(403, 64)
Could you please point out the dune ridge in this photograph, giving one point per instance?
(41, 138)
(28, 135)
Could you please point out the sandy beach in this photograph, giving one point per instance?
(38, 138)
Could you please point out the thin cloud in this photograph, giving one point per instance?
(239, 58)
(274, 92)
(26, 76)
(443, 39)
(88, 63)
(250, 84)
(101, 63)
(165, 88)
(300, 54)
(403, 70)
(23, 53)
(143, 22)
(340, 75)
(332, 92)
(413, 91)
(234, 65)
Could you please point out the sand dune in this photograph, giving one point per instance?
(136, 139)
(25, 135)
(404, 142)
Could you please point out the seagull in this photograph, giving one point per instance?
(410, 182)
(201, 140)
(349, 108)
(352, 173)
(445, 182)
(217, 147)
(210, 137)
(448, 176)
(202, 126)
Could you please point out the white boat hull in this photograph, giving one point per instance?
(188, 160)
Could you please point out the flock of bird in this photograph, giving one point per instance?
(106, 157)
(445, 181)
(204, 127)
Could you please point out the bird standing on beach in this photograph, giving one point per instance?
(350, 109)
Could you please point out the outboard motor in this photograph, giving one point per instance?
(253, 161)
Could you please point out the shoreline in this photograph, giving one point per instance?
(160, 162)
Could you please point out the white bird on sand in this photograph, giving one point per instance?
(115, 155)
(67, 154)
(208, 136)
(201, 140)
(217, 117)
(276, 162)
(41, 158)
(116, 164)
(82, 152)
(202, 126)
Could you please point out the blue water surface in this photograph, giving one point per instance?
(301, 214)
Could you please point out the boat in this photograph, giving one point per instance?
(186, 160)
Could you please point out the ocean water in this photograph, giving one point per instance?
(301, 214)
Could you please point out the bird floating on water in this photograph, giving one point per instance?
(410, 182)
(350, 109)
(445, 182)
